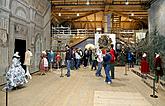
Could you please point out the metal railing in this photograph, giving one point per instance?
(66, 30)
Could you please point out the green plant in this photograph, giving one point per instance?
(154, 43)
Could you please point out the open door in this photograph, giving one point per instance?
(20, 46)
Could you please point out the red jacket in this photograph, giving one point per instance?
(144, 66)
(112, 52)
(58, 58)
(103, 51)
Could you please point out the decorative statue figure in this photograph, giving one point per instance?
(27, 62)
(51, 58)
(15, 76)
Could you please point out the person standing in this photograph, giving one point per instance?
(90, 56)
(58, 60)
(27, 62)
(122, 57)
(94, 59)
(129, 58)
(112, 61)
(106, 64)
(78, 57)
(81, 55)
(86, 56)
(43, 65)
(68, 59)
(100, 62)
(51, 58)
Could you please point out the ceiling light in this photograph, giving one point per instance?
(91, 20)
(132, 14)
(78, 14)
(59, 14)
(81, 37)
(87, 2)
(98, 29)
(126, 3)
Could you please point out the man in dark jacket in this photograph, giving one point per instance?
(107, 67)
(68, 59)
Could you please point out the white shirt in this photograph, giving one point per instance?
(45, 62)
(99, 55)
(77, 56)
(28, 55)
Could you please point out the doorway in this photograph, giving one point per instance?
(20, 46)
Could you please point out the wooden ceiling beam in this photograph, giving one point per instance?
(111, 7)
(85, 15)
(108, 6)
(82, 11)
(130, 12)
(92, 3)
(130, 17)
(87, 21)
(57, 17)
(69, 11)
(100, 21)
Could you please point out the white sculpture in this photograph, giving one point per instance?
(27, 62)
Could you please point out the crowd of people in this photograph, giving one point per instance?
(73, 59)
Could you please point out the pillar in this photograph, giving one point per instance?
(107, 23)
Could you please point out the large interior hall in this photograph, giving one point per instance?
(82, 53)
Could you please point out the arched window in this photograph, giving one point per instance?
(20, 12)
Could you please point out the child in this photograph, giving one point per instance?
(58, 59)
(43, 65)
(94, 59)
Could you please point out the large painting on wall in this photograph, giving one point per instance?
(105, 40)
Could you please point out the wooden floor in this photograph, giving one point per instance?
(83, 89)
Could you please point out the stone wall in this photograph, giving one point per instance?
(27, 20)
(156, 17)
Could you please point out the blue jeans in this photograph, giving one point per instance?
(68, 63)
(107, 69)
(112, 68)
(94, 63)
(98, 73)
